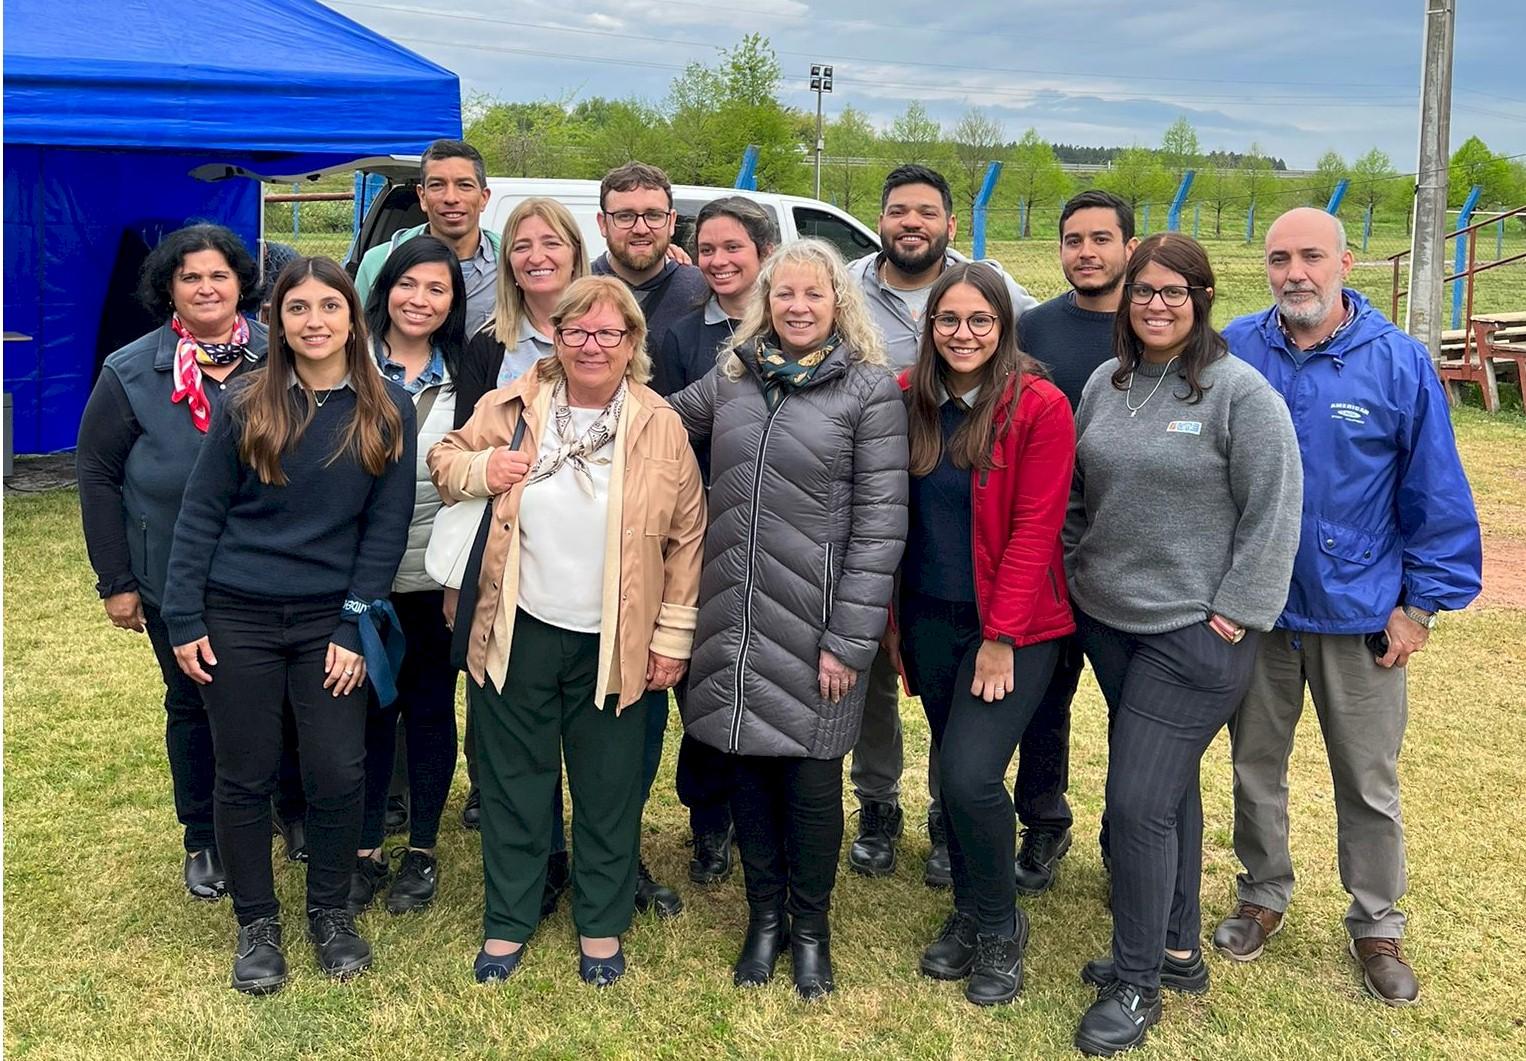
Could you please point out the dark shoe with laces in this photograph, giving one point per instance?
(493, 967)
(997, 976)
(471, 810)
(1242, 936)
(873, 850)
(1038, 856)
(938, 872)
(342, 953)
(414, 886)
(952, 955)
(651, 896)
(601, 972)
(396, 819)
(1117, 1021)
(259, 967)
(204, 876)
(810, 946)
(1188, 976)
(711, 862)
(293, 836)
(558, 876)
(1388, 976)
(767, 936)
(366, 879)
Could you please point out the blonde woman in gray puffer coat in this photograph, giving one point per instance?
(808, 453)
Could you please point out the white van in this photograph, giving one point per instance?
(397, 207)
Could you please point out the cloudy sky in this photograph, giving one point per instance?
(1298, 77)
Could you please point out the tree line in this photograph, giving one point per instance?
(713, 112)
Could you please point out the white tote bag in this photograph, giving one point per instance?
(450, 541)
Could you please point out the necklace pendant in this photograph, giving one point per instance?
(1133, 413)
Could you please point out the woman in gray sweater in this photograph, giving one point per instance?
(1179, 543)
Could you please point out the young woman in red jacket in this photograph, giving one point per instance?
(982, 596)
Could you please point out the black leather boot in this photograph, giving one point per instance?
(767, 935)
(810, 946)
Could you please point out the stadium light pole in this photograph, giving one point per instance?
(821, 81)
(1427, 262)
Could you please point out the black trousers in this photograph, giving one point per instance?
(269, 653)
(703, 780)
(426, 702)
(1168, 696)
(1043, 761)
(975, 742)
(788, 814)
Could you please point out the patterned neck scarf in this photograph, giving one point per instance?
(191, 354)
(577, 450)
(781, 373)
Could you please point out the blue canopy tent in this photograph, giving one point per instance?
(109, 107)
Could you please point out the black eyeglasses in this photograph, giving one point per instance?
(577, 338)
(627, 218)
(1172, 295)
(980, 324)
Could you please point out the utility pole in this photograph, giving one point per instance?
(1427, 262)
(821, 81)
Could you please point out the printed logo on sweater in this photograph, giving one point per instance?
(1352, 414)
(1185, 427)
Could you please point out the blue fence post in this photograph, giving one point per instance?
(1022, 219)
(1336, 196)
(1499, 240)
(747, 173)
(1366, 228)
(1460, 260)
(1250, 222)
(982, 201)
(367, 187)
(1144, 226)
(296, 214)
(1174, 215)
(1197, 216)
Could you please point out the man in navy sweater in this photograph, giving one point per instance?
(1071, 334)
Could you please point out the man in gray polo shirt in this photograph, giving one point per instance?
(453, 192)
(916, 224)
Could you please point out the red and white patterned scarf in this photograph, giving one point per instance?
(191, 354)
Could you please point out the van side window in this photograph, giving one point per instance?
(847, 239)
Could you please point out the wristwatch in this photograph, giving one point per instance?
(1424, 618)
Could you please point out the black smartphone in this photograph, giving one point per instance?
(1377, 644)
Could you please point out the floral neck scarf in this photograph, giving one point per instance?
(191, 354)
(573, 449)
(780, 373)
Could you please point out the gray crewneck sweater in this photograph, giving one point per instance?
(1181, 511)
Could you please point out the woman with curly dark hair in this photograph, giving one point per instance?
(138, 438)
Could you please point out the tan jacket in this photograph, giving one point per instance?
(653, 546)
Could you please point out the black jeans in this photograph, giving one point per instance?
(426, 700)
(788, 814)
(269, 652)
(187, 739)
(1168, 695)
(703, 780)
(975, 742)
(1043, 759)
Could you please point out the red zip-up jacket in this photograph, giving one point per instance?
(1018, 509)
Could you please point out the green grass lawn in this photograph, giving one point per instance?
(106, 957)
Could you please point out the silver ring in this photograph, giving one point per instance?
(349, 671)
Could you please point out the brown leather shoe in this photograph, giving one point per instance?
(1242, 936)
(1388, 976)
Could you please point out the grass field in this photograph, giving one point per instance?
(106, 957)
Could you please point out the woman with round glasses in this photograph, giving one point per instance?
(586, 602)
(982, 601)
(1179, 544)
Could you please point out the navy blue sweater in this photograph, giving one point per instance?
(687, 354)
(1070, 341)
(939, 560)
(333, 531)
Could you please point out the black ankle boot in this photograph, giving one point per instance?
(767, 935)
(810, 947)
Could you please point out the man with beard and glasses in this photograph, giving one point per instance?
(1389, 538)
(636, 219)
(916, 224)
(1071, 335)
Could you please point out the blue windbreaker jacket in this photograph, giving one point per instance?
(1388, 515)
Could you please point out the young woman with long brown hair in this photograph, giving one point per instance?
(294, 521)
(982, 600)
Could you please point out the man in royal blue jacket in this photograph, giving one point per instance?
(1389, 539)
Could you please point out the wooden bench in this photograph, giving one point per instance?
(1492, 342)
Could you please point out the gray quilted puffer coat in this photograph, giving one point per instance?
(807, 524)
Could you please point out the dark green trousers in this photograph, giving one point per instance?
(545, 715)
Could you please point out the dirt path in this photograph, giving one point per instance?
(1504, 574)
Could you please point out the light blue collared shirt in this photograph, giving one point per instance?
(532, 346)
